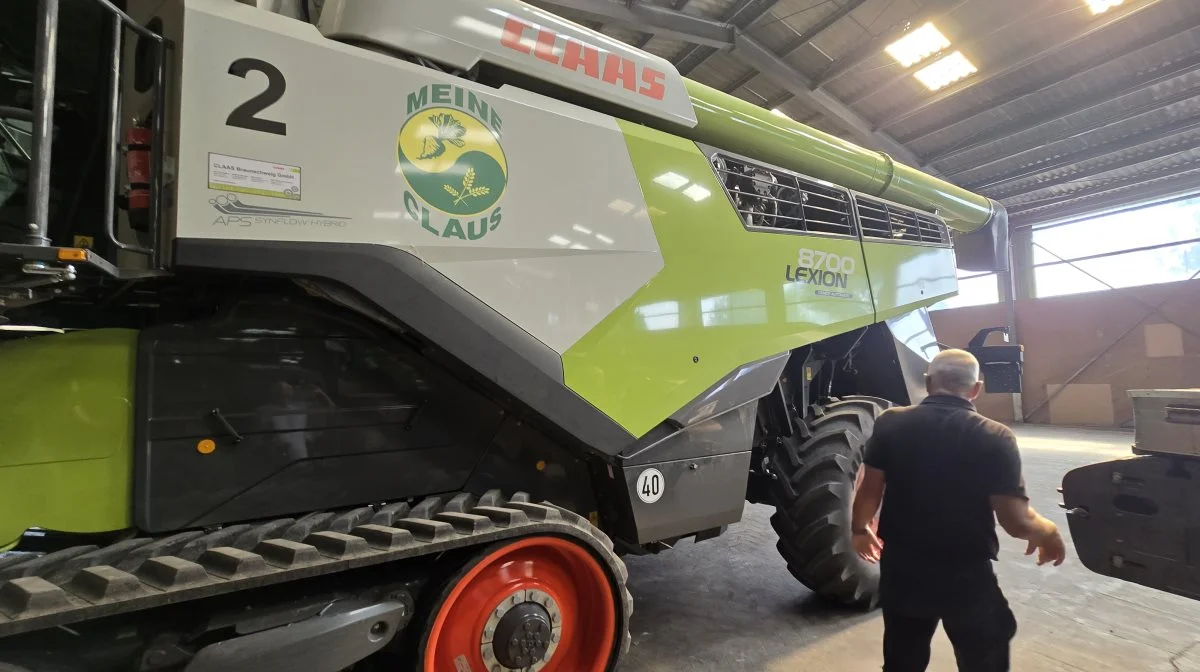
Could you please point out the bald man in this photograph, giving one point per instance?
(949, 474)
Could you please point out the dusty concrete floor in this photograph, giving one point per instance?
(729, 604)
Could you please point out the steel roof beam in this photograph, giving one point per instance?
(741, 14)
(1106, 200)
(678, 5)
(1036, 88)
(647, 17)
(756, 55)
(907, 72)
(1123, 162)
(1021, 63)
(802, 39)
(875, 46)
(1071, 107)
(1117, 185)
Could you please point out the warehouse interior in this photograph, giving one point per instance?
(341, 429)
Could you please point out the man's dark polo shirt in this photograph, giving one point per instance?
(942, 461)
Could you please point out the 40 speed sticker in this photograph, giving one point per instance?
(651, 486)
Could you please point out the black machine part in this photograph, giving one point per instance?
(1138, 519)
(325, 643)
(1000, 365)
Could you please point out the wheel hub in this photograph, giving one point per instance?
(522, 632)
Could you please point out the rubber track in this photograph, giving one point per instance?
(83, 583)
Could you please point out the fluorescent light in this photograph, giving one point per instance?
(623, 207)
(671, 180)
(778, 112)
(918, 45)
(577, 246)
(1101, 6)
(697, 193)
(945, 71)
(604, 239)
(582, 229)
(559, 240)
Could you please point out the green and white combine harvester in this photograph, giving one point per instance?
(375, 333)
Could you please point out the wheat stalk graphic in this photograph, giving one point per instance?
(468, 188)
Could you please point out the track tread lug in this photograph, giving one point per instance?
(427, 530)
(349, 520)
(215, 539)
(288, 554)
(227, 562)
(493, 497)
(465, 523)
(338, 545)
(249, 540)
(167, 546)
(170, 573)
(30, 595)
(463, 502)
(106, 555)
(502, 516)
(390, 514)
(426, 508)
(313, 522)
(538, 512)
(104, 584)
(43, 565)
(383, 537)
(520, 498)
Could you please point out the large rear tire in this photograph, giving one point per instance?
(815, 474)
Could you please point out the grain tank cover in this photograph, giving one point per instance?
(520, 37)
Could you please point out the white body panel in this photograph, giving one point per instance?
(512, 34)
(572, 239)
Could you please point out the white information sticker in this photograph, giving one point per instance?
(251, 176)
(650, 486)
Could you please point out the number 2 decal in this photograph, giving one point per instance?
(245, 115)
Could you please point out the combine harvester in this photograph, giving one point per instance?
(374, 336)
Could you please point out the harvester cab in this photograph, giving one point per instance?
(335, 290)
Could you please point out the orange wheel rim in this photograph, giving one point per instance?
(575, 582)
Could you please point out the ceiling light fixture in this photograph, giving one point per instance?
(1102, 6)
(945, 71)
(918, 45)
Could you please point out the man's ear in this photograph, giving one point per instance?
(976, 390)
(928, 388)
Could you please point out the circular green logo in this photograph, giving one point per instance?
(452, 161)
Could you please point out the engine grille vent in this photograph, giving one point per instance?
(891, 222)
(774, 199)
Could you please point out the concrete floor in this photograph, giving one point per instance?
(729, 603)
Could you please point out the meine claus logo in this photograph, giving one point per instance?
(450, 155)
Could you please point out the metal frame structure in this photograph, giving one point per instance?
(43, 129)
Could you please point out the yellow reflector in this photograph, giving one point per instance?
(541, 465)
(206, 446)
(72, 254)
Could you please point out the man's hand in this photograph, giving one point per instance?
(867, 545)
(1050, 547)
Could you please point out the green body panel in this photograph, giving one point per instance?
(906, 277)
(738, 126)
(722, 299)
(66, 413)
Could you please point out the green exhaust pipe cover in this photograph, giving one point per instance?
(738, 126)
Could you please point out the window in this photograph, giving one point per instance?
(973, 290)
(1139, 247)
